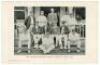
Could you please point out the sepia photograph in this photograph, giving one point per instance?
(49, 30)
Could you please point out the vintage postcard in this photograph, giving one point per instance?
(49, 32)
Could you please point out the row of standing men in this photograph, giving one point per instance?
(43, 23)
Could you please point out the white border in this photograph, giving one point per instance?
(98, 32)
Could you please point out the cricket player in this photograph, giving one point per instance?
(24, 37)
(29, 21)
(35, 30)
(74, 39)
(68, 20)
(42, 22)
(52, 17)
(62, 40)
(47, 44)
(36, 38)
(54, 29)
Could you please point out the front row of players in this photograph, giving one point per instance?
(48, 42)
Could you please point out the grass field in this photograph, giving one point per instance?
(56, 51)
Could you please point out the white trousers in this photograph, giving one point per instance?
(78, 43)
(36, 41)
(47, 45)
(63, 43)
(47, 48)
(24, 39)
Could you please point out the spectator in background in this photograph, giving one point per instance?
(79, 19)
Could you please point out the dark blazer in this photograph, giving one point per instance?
(34, 30)
(28, 22)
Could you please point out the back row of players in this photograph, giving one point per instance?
(42, 24)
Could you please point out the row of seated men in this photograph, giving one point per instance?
(50, 42)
